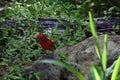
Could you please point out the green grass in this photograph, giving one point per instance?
(18, 46)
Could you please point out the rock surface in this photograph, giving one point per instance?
(82, 53)
(45, 71)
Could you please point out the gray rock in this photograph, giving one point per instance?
(84, 53)
(46, 71)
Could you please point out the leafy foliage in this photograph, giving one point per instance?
(18, 46)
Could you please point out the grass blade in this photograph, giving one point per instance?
(97, 77)
(116, 69)
(104, 54)
(67, 66)
(93, 30)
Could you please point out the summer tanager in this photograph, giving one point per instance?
(45, 43)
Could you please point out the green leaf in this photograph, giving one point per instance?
(109, 70)
(116, 69)
(96, 73)
(3, 64)
(104, 54)
(97, 77)
(67, 66)
(80, 67)
(93, 30)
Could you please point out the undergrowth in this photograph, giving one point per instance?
(18, 45)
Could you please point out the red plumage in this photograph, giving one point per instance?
(45, 43)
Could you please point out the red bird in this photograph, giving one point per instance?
(45, 43)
